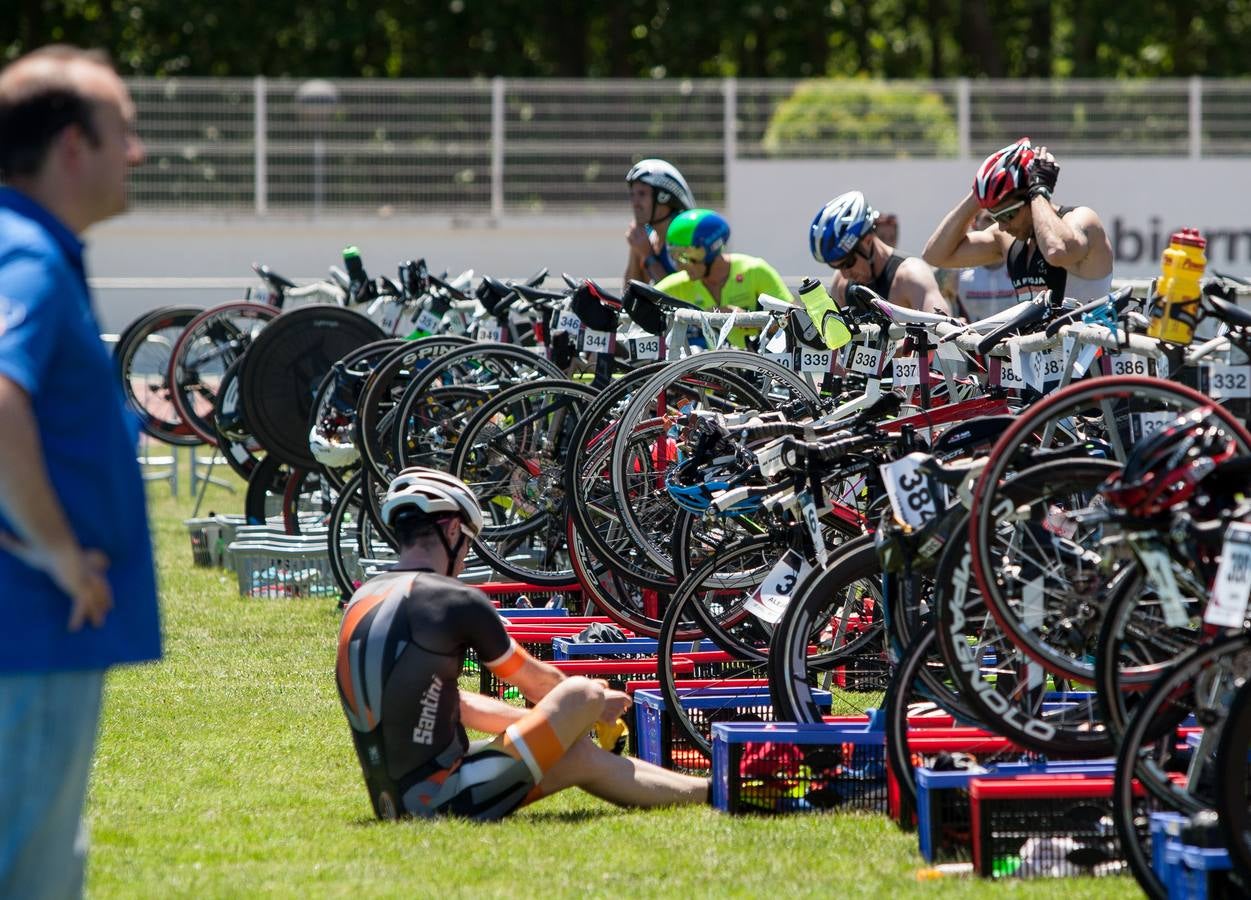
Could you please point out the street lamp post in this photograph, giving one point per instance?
(318, 102)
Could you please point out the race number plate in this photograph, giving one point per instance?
(568, 321)
(1227, 607)
(775, 592)
(1160, 576)
(596, 341)
(907, 371)
(645, 348)
(785, 360)
(490, 331)
(1228, 382)
(815, 360)
(909, 491)
(864, 358)
(428, 321)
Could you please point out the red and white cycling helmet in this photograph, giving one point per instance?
(1003, 173)
(1164, 470)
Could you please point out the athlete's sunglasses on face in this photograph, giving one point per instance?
(1003, 215)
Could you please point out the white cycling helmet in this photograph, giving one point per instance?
(333, 447)
(434, 493)
(671, 188)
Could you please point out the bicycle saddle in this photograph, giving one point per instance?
(537, 294)
(269, 275)
(774, 304)
(1230, 313)
(906, 316)
(494, 294)
(1036, 311)
(665, 301)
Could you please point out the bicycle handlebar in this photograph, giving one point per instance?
(1120, 298)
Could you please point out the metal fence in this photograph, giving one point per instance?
(491, 147)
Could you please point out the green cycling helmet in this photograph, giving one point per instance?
(697, 236)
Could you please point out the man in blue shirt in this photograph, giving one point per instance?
(77, 584)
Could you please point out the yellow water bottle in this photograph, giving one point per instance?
(824, 313)
(1175, 312)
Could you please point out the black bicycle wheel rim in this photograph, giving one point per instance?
(293, 355)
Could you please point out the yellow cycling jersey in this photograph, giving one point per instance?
(750, 276)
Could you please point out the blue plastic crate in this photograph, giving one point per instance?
(805, 768)
(660, 743)
(943, 802)
(567, 648)
(541, 612)
(1202, 873)
(1165, 831)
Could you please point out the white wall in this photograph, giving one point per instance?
(155, 246)
(772, 204)
(1141, 202)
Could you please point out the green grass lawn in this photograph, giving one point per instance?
(228, 770)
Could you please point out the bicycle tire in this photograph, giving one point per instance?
(1136, 761)
(987, 571)
(143, 345)
(293, 355)
(791, 668)
(240, 449)
(339, 392)
(204, 352)
(1233, 780)
(716, 364)
(686, 611)
(341, 539)
(592, 507)
(1135, 647)
(498, 460)
(607, 592)
(266, 486)
(916, 688)
(392, 386)
(1011, 693)
(383, 388)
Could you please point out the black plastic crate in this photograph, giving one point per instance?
(1050, 826)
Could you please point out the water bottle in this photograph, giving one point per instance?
(824, 313)
(359, 285)
(1175, 312)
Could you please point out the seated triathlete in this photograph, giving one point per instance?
(658, 192)
(843, 235)
(402, 645)
(1064, 248)
(713, 279)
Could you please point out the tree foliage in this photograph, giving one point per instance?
(647, 38)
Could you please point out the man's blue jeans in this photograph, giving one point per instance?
(48, 725)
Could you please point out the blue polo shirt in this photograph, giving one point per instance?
(50, 345)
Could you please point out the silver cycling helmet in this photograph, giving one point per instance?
(671, 188)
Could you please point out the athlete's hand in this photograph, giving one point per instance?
(1043, 173)
(639, 240)
(616, 703)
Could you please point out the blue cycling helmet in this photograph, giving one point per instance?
(697, 236)
(692, 483)
(839, 225)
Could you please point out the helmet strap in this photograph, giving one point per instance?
(653, 221)
(452, 552)
(869, 256)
